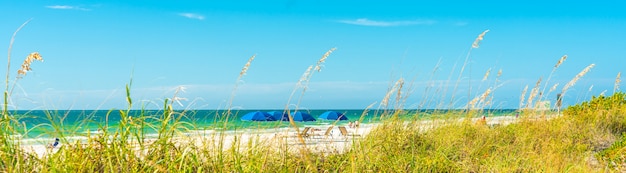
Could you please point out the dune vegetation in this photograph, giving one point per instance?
(586, 137)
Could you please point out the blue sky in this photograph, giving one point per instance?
(92, 49)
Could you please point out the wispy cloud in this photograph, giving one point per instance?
(67, 7)
(192, 16)
(368, 22)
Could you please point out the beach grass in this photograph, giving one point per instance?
(587, 137)
(561, 144)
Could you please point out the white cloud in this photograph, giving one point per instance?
(368, 22)
(192, 16)
(66, 7)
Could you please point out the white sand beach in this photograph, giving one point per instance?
(317, 140)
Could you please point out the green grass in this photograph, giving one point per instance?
(567, 143)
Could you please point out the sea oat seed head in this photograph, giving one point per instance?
(321, 61)
(484, 96)
(245, 67)
(523, 96)
(560, 61)
(480, 99)
(578, 76)
(554, 87)
(395, 87)
(478, 39)
(473, 102)
(486, 74)
(399, 90)
(26, 65)
(533, 93)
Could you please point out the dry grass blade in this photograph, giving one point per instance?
(533, 93)
(480, 99)
(617, 81)
(556, 66)
(478, 39)
(554, 87)
(244, 70)
(483, 97)
(178, 99)
(466, 62)
(473, 103)
(522, 97)
(305, 76)
(304, 82)
(563, 58)
(304, 79)
(576, 78)
(25, 68)
(487, 74)
(602, 93)
(26, 65)
(9, 56)
(320, 62)
(396, 87)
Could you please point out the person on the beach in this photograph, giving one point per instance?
(55, 144)
(350, 124)
(356, 123)
(482, 120)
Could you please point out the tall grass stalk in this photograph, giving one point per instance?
(428, 95)
(467, 61)
(533, 93)
(243, 72)
(225, 117)
(303, 84)
(5, 112)
(306, 77)
(496, 84)
(617, 82)
(10, 154)
(574, 80)
(523, 97)
(556, 66)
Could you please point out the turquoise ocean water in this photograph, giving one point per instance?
(48, 124)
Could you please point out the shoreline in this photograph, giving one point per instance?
(202, 138)
(319, 140)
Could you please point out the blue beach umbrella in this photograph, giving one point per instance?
(332, 115)
(302, 116)
(257, 116)
(279, 115)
